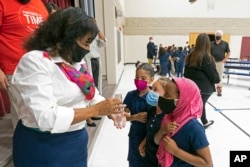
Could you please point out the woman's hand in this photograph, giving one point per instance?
(219, 88)
(110, 106)
(114, 108)
(120, 119)
(3, 81)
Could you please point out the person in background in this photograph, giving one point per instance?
(185, 50)
(51, 7)
(55, 93)
(164, 57)
(93, 58)
(137, 106)
(174, 51)
(192, 48)
(16, 25)
(160, 46)
(148, 148)
(179, 59)
(156, 55)
(94, 66)
(151, 51)
(171, 66)
(221, 52)
(186, 144)
(200, 67)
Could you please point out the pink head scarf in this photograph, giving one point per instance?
(189, 107)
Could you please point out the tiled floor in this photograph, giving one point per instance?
(231, 130)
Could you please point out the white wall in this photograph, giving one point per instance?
(182, 8)
(235, 46)
(135, 46)
(122, 3)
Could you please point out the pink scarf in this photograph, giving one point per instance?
(189, 107)
(81, 78)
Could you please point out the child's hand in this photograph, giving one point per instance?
(169, 127)
(142, 151)
(142, 148)
(141, 117)
(170, 145)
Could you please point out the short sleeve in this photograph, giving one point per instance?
(198, 138)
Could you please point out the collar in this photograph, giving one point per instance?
(58, 59)
(218, 42)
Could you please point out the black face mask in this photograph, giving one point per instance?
(218, 38)
(79, 53)
(167, 106)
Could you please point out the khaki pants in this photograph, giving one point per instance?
(220, 68)
(150, 61)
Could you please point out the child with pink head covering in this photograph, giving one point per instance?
(188, 144)
(175, 137)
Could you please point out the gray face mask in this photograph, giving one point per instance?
(218, 38)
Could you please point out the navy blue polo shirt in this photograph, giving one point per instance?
(137, 132)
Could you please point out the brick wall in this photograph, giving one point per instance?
(183, 26)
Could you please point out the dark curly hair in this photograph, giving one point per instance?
(58, 34)
(51, 6)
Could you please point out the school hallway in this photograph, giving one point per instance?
(230, 132)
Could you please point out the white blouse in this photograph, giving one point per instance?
(45, 97)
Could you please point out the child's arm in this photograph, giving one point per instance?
(142, 147)
(165, 129)
(203, 157)
(141, 117)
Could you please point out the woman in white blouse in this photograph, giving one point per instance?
(55, 93)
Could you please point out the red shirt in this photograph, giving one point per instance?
(17, 22)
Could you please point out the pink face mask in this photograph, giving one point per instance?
(140, 84)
